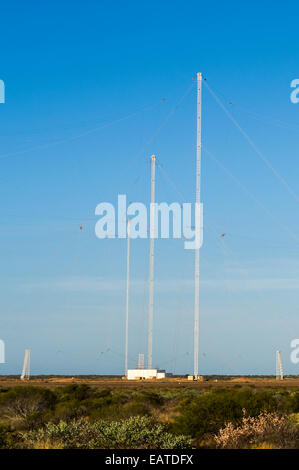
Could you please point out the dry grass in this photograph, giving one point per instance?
(165, 415)
(47, 444)
(52, 382)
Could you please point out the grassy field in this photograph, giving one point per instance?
(110, 412)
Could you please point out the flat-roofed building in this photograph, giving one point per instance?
(143, 374)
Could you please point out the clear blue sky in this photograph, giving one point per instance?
(72, 67)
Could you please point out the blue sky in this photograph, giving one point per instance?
(72, 72)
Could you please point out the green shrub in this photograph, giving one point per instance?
(133, 433)
(151, 398)
(192, 411)
(5, 436)
(294, 402)
(210, 411)
(135, 409)
(17, 403)
(75, 392)
(69, 410)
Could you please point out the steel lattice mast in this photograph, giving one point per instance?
(198, 173)
(279, 369)
(127, 300)
(151, 283)
(26, 367)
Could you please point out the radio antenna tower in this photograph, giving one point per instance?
(198, 173)
(151, 284)
(140, 361)
(279, 369)
(26, 367)
(127, 300)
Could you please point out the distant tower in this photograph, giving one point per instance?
(140, 361)
(26, 367)
(279, 369)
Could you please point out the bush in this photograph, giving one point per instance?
(5, 436)
(210, 411)
(135, 409)
(18, 403)
(193, 412)
(133, 433)
(75, 392)
(268, 430)
(151, 398)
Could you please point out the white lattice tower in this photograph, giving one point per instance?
(279, 369)
(26, 366)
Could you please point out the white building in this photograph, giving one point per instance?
(142, 374)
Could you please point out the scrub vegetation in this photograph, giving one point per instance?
(83, 416)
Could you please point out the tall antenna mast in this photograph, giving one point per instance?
(127, 300)
(198, 172)
(151, 285)
(26, 367)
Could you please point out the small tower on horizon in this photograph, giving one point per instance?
(279, 369)
(26, 367)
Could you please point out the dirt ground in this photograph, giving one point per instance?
(52, 382)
